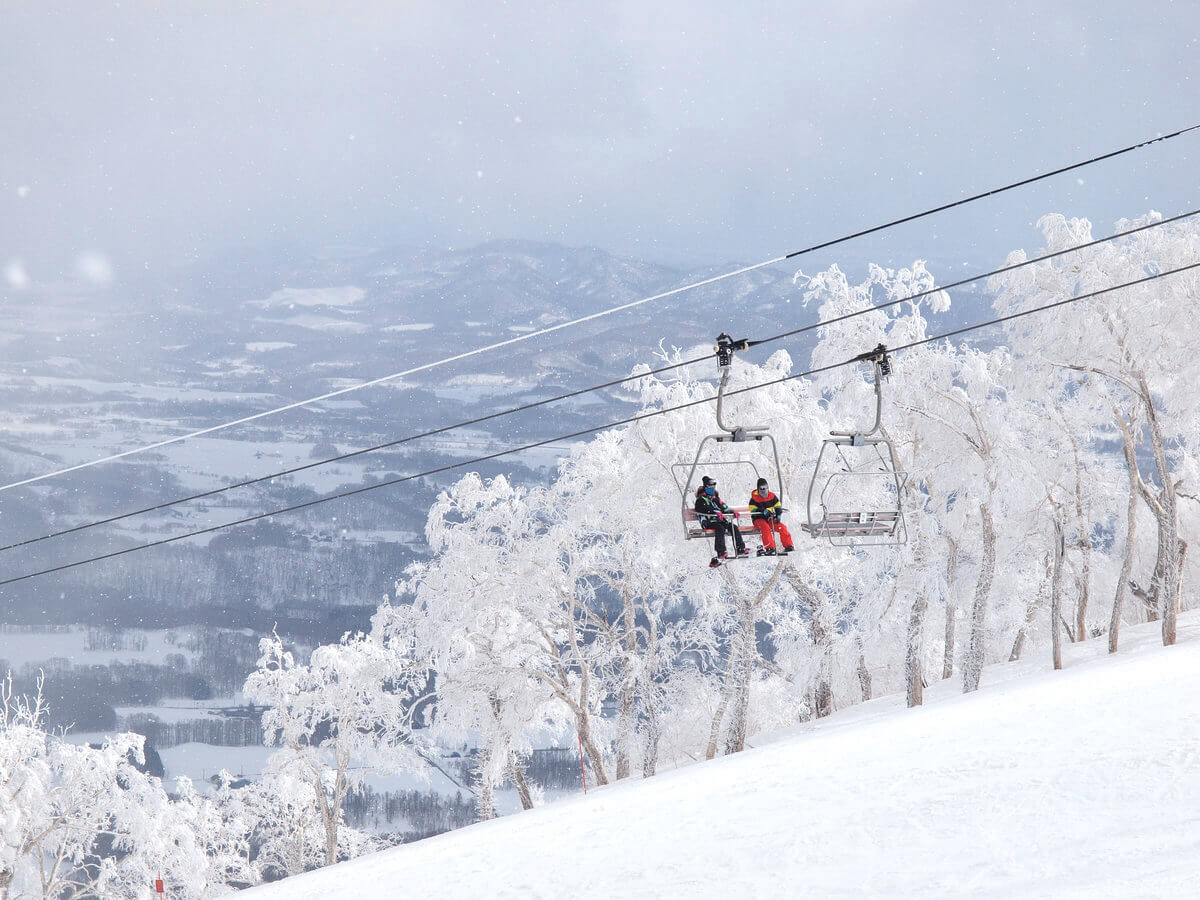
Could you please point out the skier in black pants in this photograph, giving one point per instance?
(716, 517)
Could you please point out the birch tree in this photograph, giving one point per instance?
(343, 715)
(1138, 338)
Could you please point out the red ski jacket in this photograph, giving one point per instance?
(760, 505)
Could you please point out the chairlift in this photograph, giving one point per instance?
(860, 505)
(706, 459)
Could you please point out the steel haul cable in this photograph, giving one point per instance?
(620, 308)
(586, 431)
(581, 391)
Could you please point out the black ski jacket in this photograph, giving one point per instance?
(707, 508)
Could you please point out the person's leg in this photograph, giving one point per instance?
(719, 538)
(737, 537)
(764, 532)
(785, 535)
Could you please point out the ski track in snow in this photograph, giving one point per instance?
(1080, 783)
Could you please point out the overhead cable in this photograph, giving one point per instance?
(994, 191)
(593, 430)
(581, 391)
(946, 287)
(597, 315)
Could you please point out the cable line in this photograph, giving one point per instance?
(366, 384)
(962, 281)
(608, 384)
(353, 453)
(994, 191)
(597, 315)
(593, 430)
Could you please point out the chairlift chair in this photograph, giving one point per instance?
(859, 506)
(730, 434)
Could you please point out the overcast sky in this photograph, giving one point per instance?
(137, 135)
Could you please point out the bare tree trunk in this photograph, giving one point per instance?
(650, 749)
(1084, 580)
(951, 609)
(583, 719)
(977, 645)
(625, 731)
(948, 647)
(516, 771)
(746, 657)
(1056, 595)
(1172, 582)
(1114, 623)
(728, 685)
(913, 675)
(735, 736)
(714, 730)
(1169, 575)
(914, 644)
(331, 806)
(625, 699)
(864, 675)
(1018, 646)
(485, 798)
(595, 757)
(822, 690)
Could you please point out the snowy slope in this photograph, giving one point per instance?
(1084, 782)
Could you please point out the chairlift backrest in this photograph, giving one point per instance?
(870, 517)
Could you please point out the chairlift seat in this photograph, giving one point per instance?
(877, 523)
(692, 518)
(871, 527)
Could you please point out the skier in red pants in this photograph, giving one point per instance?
(765, 510)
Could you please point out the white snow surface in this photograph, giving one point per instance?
(1078, 783)
(19, 649)
(329, 296)
(268, 346)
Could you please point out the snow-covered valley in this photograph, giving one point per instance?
(1078, 783)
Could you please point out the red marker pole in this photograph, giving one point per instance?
(582, 771)
(158, 885)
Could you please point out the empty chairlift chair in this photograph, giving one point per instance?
(860, 504)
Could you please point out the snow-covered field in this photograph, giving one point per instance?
(200, 762)
(21, 648)
(293, 297)
(1079, 783)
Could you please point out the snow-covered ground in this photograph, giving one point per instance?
(201, 762)
(1080, 783)
(21, 648)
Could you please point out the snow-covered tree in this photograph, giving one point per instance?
(77, 820)
(1141, 341)
(340, 717)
